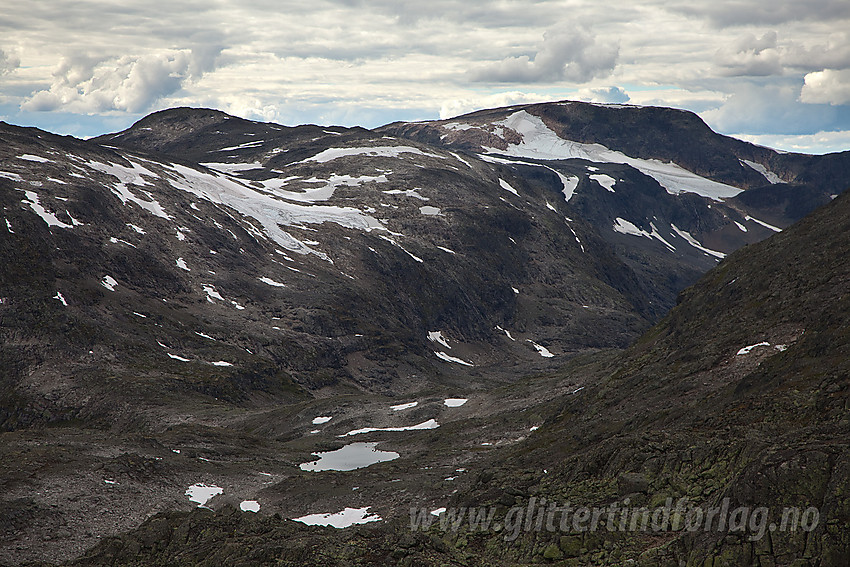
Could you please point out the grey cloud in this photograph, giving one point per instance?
(8, 62)
(759, 12)
(566, 54)
(751, 56)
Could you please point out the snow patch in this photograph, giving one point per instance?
(376, 151)
(430, 424)
(693, 242)
(544, 352)
(605, 181)
(401, 407)
(437, 337)
(507, 187)
(748, 349)
(772, 177)
(109, 283)
(271, 282)
(46, 216)
(454, 402)
(249, 506)
(202, 493)
(342, 519)
(764, 224)
(539, 142)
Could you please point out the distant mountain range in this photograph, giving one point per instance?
(207, 281)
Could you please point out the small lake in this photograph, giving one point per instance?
(348, 458)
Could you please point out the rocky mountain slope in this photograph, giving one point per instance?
(190, 300)
(740, 396)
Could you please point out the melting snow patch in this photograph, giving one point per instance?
(454, 402)
(349, 458)
(30, 157)
(605, 181)
(437, 337)
(430, 211)
(321, 419)
(136, 228)
(343, 519)
(60, 298)
(271, 282)
(515, 290)
(764, 224)
(249, 506)
(507, 187)
(376, 151)
(175, 357)
(544, 352)
(202, 493)
(407, 192)
(430, 424)
(408, 405)
(539, 142)
(447, 358)
(507, 333)
(109, 283)
(46, 216)
(747, 349)
(769, 175)
(740, 226)
(212, 294)
(448, 250)
(438, 511)
(221, 363)
(693, 242)
(9, 226)
(182, 264)
(131, 176)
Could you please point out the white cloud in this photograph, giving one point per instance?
(603, 95)
(129, 83)
(827, 87)
(458, 106)
(567, 53)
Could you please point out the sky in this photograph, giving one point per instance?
(774, 73)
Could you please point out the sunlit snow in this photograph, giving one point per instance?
(46, 216)
(539, 142)
(343, 519)
(430, 424)
(455, 402)
(202, 493)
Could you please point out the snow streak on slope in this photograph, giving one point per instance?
(268, 210)
(539, 142)
(375, 151)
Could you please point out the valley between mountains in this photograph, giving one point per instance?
(217, 333)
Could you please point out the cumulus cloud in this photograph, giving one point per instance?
(8, 62)
(569, 54)
(610, 95)
(827, 87)
(129, 83)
